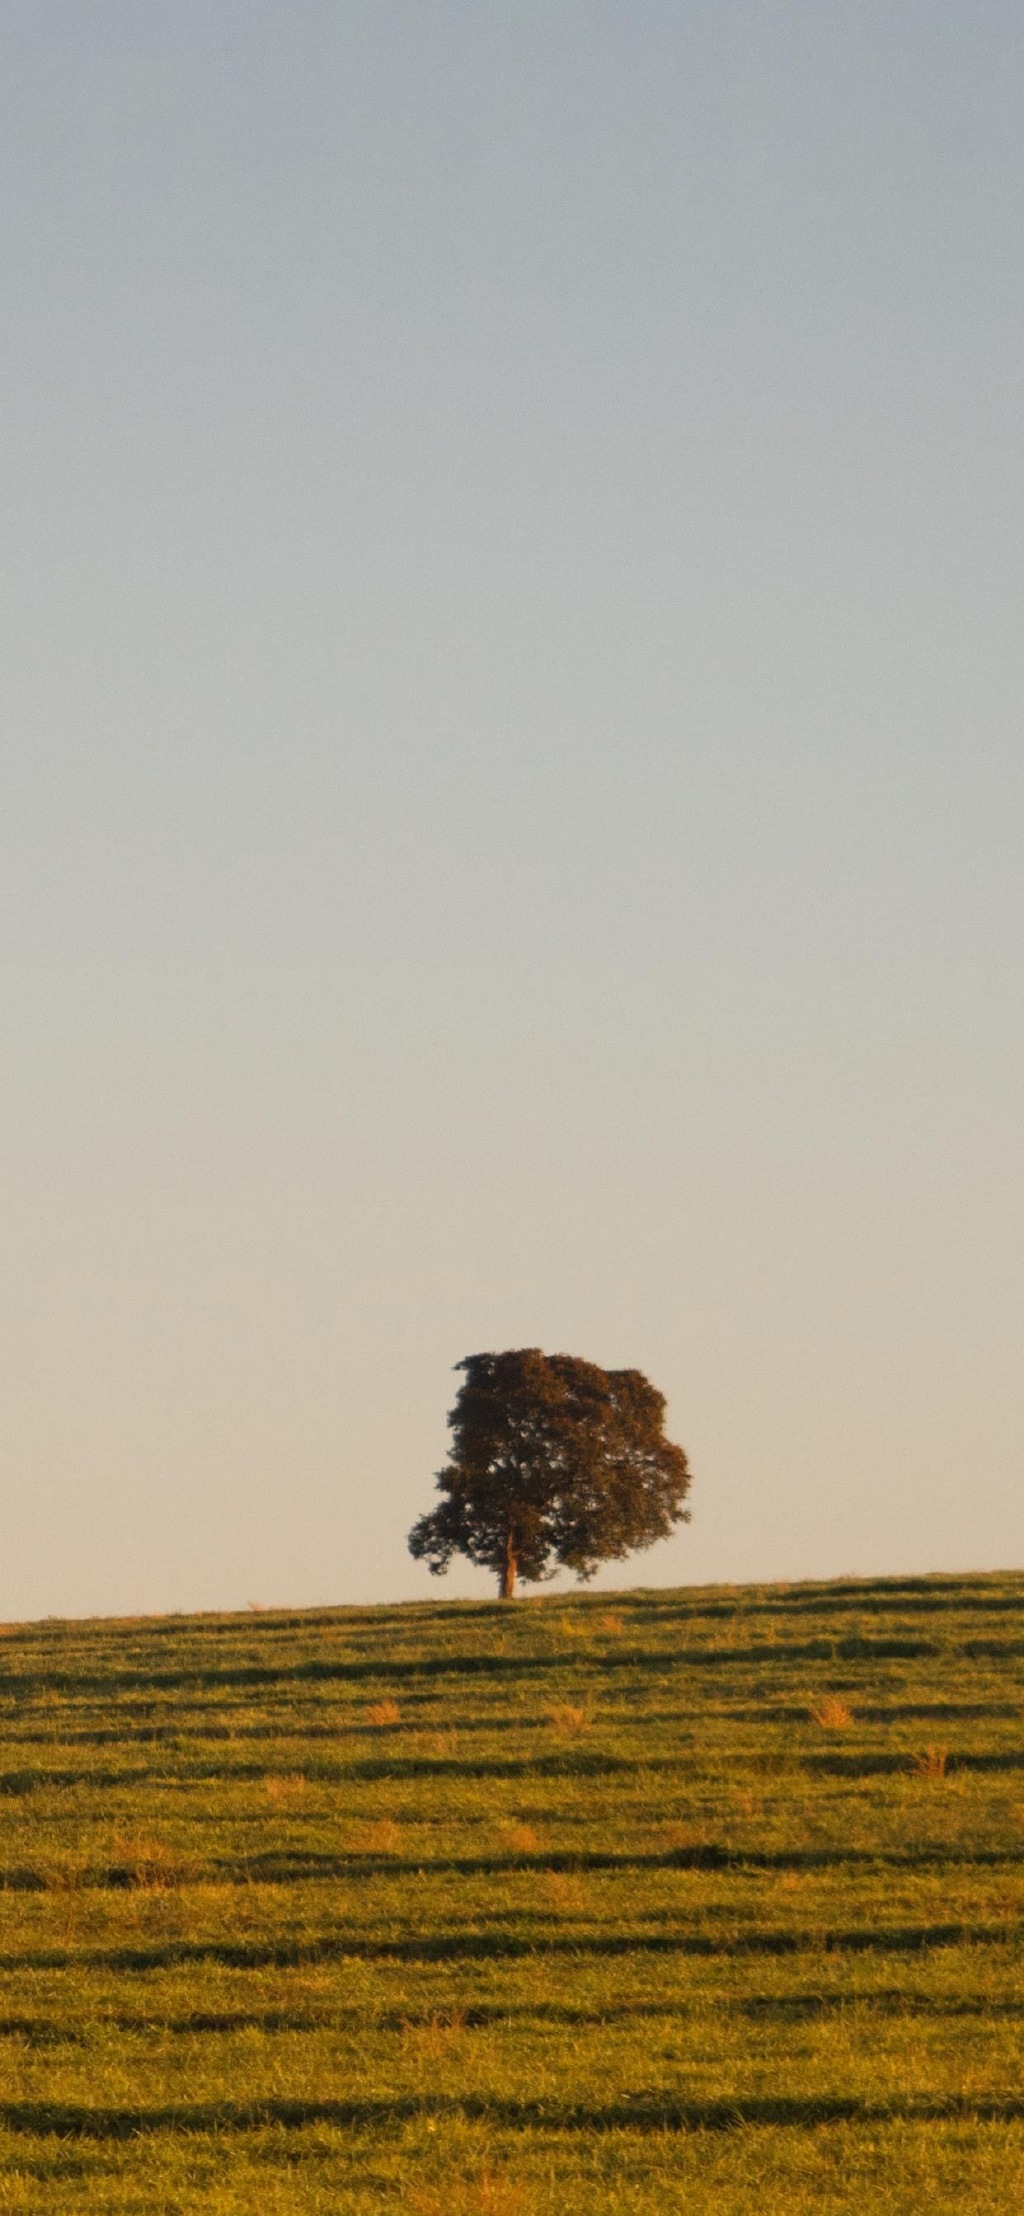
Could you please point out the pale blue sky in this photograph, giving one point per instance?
(512, 679)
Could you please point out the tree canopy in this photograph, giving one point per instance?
(554, 1464)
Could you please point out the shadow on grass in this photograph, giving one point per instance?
(653, 2112)
(572, 1761)
(504, 1944)
(989, 1762)
(302, 1868)
(510, 1662)
(889, 2001)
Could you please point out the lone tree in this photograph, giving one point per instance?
(554, 1464)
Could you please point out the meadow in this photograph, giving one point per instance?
(707, 1900)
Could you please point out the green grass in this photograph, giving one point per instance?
(605, 1920)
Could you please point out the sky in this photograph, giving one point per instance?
(511, 686)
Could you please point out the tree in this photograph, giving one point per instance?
(554, 1464)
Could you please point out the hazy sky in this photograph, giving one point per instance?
(512, 677)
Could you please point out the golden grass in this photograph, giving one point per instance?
(612, 1625)
(495, 1966)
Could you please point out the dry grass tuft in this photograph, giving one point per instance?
(568, 1720)
(284, 1789)
(486, 2195)
(149, 1865)
(382, 1714)
(519, 1838)
(685, 1838)
(612, 1625)
(379, 1838)
(433, 2038)
(931, 1762)
(564, 1894)
(832, 1714)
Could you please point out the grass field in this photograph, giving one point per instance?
(699, 1901)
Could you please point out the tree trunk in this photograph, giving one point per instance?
(507, 1584)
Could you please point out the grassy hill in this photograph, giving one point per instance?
(700, 1900)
